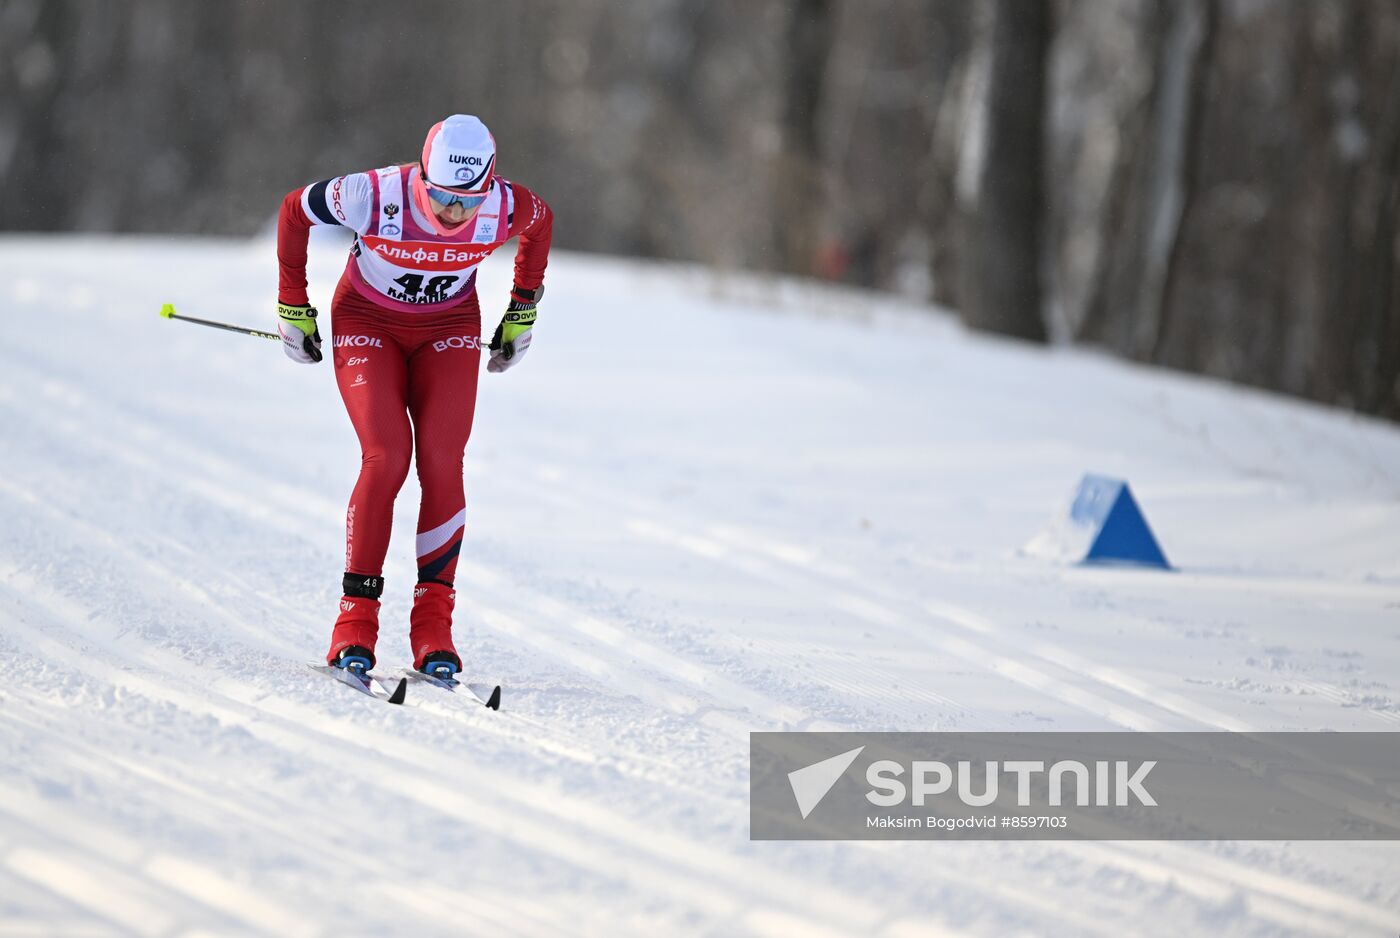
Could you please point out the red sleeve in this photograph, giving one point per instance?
(293, 231)
(534, 223)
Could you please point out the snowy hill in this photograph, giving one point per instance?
(694, 511)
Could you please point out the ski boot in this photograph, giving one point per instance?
(354, 658)
(357, 626)
(443, 665)
(430, 631)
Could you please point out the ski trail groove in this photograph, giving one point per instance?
(684, 869)
(728, 696)
(1268, 888)
(229, 806)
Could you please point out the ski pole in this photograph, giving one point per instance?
(168, 312)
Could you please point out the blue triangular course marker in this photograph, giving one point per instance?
(1119, 532)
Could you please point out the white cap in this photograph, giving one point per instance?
(460, 152)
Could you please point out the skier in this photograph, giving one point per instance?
(406, 327)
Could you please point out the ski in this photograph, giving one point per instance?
(488, 695)
(389, 691)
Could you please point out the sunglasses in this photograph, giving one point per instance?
(447, 198)
(450, 197)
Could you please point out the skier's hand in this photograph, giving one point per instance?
(512, 338)
(301, 340)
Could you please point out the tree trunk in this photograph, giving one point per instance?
(1002, 276)
(801, 182)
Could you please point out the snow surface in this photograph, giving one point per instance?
(702, 506)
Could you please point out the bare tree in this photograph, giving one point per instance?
(800, 181)
(1001, 275)
(1151, 180)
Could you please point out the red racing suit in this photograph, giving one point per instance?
(406, 334)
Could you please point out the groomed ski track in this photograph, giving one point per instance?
(699, 508)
